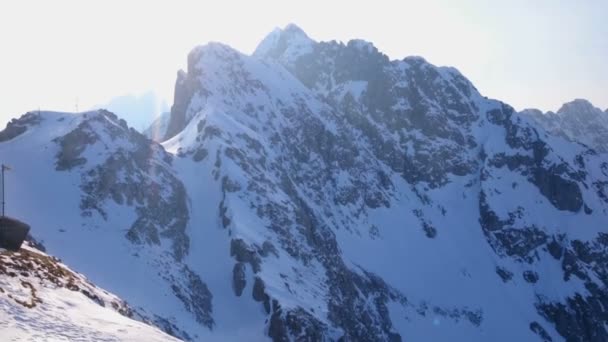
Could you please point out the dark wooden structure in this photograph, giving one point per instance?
(12, 233)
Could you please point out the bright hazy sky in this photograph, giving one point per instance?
(538, 53)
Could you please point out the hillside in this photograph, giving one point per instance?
(42, 299)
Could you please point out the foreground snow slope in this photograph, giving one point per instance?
(43, 300)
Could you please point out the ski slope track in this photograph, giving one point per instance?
(319, 191)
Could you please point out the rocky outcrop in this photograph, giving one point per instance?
(124, 177)
(17, 127)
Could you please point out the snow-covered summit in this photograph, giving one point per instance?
(577, 107)
(289, 43)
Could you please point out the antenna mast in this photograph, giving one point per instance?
(4, 168)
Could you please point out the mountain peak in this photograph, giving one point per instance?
(211, 50)
(579, 121)
(292, 28)
(532, 111)
(362, 45)
(288, 43)
(577, 106)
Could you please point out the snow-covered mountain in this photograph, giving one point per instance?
(106, 200)
(320, 191)
(43, 300)
(577, 121)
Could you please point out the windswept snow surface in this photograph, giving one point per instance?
(61, 312)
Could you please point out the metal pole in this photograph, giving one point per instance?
(2, 190)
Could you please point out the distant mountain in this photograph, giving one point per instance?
(158, 129)
(139, 110)
(319, 191)
(577, 121)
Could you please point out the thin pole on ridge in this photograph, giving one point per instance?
(4, 168)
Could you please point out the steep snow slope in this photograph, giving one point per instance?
(42, 299)
(577, 121)
(320, 191)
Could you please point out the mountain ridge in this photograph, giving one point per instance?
(578, 121)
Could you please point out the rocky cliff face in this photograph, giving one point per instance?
(321, 191)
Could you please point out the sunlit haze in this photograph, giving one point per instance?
(64, 55)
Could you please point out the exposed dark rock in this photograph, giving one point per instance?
(540, 331)
(530, 276)
(200, 154)
(506, 238)
(238, 278)
(504, 273)
(17, 127)
(563, 194)
(186, 86)
(579, 319)
(582, 317)
(243, 253)
(195, 296)
(555, 249)
(229, 185)
(72, 145)
(259, 293)
(429, 230)
(570, 266)
(297, 325)
(267, 249)
(223, 215)
(170, 328)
